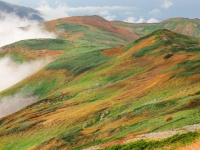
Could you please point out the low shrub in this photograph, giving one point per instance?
(168, 56)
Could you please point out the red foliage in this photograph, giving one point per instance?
(32, 116)
(169, 118)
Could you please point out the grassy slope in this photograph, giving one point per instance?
(181, 141)
(124, 92)
(76, 35)
(78, 38)
(190, 27)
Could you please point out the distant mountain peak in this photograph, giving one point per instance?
(22, 12)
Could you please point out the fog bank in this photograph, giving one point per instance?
(12, 104)
(12, 72)
(11, 31)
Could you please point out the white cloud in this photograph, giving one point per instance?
(152, 20)
(130, 20)
(12, 104)
(155, 12)
(61, 10)
(11, 32)
(134, 20)
(166, 3)
(140, 20)
(12, 72)
(110, 18)
(50, 13)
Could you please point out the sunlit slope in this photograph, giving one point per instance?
(109, 94)
(190, 27)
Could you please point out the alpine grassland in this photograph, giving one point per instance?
(103, 86)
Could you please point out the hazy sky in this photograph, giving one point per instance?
(125, 10)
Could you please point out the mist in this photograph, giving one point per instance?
(11, 31)
(12, 72)
(12, 104)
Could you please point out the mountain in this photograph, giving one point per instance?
(76, 35)
(22, 12)
(99, 89)
(87, 26)
(130, 31)
(190, 27)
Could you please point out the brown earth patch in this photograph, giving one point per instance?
(114, 51)
(76, 36)
(30, 54)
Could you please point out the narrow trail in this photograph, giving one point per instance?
(153, 135)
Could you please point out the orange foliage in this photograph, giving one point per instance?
(194, 146)
(169, 118)
(113, 51)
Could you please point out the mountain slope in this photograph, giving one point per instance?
(76, 36)
(122, 92)
(190, 27)
(22, 12)
(83, 25)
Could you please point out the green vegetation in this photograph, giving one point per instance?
(17, 57)
(72, 27)
(190, 67)
(179, 25)
(180, 140)
(168, 56)
(21, 127)
(81, 63)
(86, 97)
(68, 138)
(39, 44)
(146, 50)
(173, 41)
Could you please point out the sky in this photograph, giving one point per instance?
(134, 11)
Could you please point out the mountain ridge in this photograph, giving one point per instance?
(185, 26)
(22, 12)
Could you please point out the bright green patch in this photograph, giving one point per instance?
(50, 44)
(182, 139)
(80, 63)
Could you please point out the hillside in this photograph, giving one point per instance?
(22, 12)
(92, 94)
(190, 27)
(76, 36)
(89, 26)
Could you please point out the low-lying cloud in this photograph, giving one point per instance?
(11, 31)
(140, 20)
(12, 104)
(12, 72)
